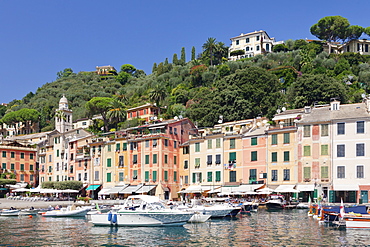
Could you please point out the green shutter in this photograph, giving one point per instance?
(109, 162)
(286, 138)
(306, 172)
(218, 176)
(154, 158)
(209, 176)
(286, 155)
(274, 139)
(146, 176)
(147, 159)
(124, 148)
(218, 143)
(274, 157)
(232, 156)
(307, 151)
(232, 143)
(135, 174)
(324, 149)
(109, 177)
(174, 176)
(194, 178)
(118, 146)
(154, 176)
(331, 195)
(254, 141)
(209, 142)
(165, 175)
(324, 172)
(254, 156)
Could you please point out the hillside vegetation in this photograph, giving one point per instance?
(295, 75)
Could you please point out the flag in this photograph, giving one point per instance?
(341, 209)
(309, 201)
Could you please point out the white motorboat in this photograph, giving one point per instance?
(142, 210)
(70, 211)
(10, 212)
(215, 210)
(199, 218)
(29, 212)
(275, 202)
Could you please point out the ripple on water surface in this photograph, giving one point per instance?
(280, 228)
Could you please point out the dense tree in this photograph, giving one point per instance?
(127, 71)
(315, 88)
(157, 94)
(117, 112)
(354, 32)
(65, 73)
(331, 28)
(210, 47)
(367, 31)
(100, 105)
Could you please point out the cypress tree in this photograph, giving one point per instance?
(192, 53)
(182, 58)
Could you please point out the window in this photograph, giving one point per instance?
(254, 141)
(218, 176)
(175, 160)
(274, 175)
(247, 40)
(360, 127)
(286, 138)
(324, 172)
(174, 144)
(96, 176)
(121, 176)
(257, 38)
(109, 147)
(155, 143)
(118, 146)
(186, 164)
(4, 154)
(307, 151)
(306, 130)
(31, 167)
(232, 156)
(4, 166)
(120, 161)
(209, 144)
(109, 162)
(109, 177)
(324, 129)
(341, 172)
(257, 47)
(185, 150)
(286, 174)
(254, 156)
(267, 47)
(209, 159)
(147, 143)
(57, 152)
(341, 151)
(232, 176)
(133, 145)
(209, 176)
(360, 149)
(274, 157)
(165, 158)
(218, 143)
(197, 177)
(154, 176)
(155, 158)
(341, 128)
(360, 171)
(286, 155)
(236, 42)
(197, 147)
(12, 167)
(247, 48)
(232, 143)
(197, 162)
(124, 148)
(147, 158)
(165, 175)
(324, 149)
(306, 172)
(134, 158)
(12, 154)
(252, 175)
(218, 159)
(274, 139)
(134, 175)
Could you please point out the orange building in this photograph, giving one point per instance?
(20, 160)
(147, 112)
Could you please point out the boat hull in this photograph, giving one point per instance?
(141, 218)
(61, 213)
(10, 212)
(357, 222)
(199, 218)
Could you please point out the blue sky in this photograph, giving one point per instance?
(41, 37)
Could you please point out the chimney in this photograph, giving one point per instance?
(307, 109)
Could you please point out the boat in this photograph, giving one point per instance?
(29, 211)
(248, 207)
(70, 211)
(215, 210)
(199, 218)
(142, 210)
(275, 201)
(350, 217)
(10, 212)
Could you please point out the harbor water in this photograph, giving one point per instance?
(264, 228)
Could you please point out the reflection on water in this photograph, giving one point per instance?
(281, 228)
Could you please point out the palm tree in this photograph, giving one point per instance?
(117, 113)
(157, 94)
(60, 115)
(210, 47)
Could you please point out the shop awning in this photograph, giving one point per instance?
(305, 187)
(104, 191)
(346, 187)
(145, 189)
(286, 188)
(117, 189)
(247, 188)
(93, 186)
(197, 189)
(130, 189)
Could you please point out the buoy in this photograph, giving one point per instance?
(29, 216)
